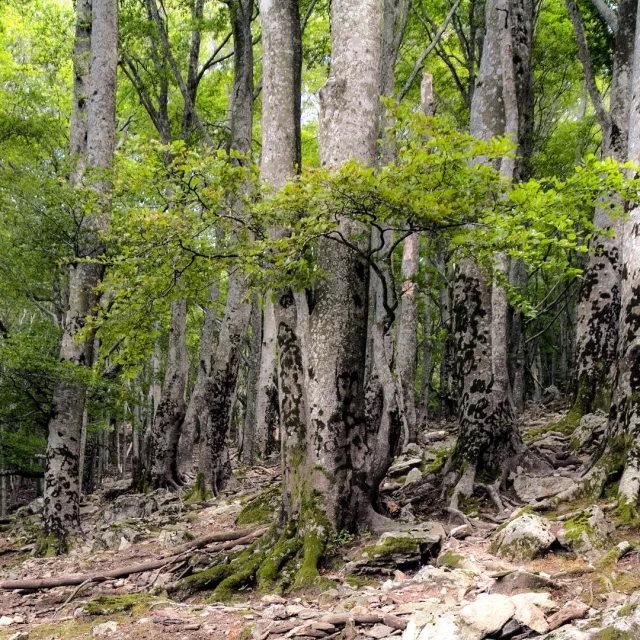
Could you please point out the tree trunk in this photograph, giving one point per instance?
(61, 501)
(487, 437)
(247, 450)
(334, 471)
(165, 431)
(624, 417)
(599, 306)
(192, 425)
(221, 383)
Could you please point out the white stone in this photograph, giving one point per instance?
(5, 621)
(104, 629)
(379, 631)
(275, 612)
(540, 599)
(488, 614)
(531, 616)
(413, 477)
(524, 538)
(531, 489)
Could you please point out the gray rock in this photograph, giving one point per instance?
(531, 489)
(117, 535)
(403, 464)
(429, 626)
(587, 533)
(130, 506)
(413, 477)
(379, 631)
(516, 581)
(104, 629)
(21, 635)
(524, 538)
(591, 428)
(412, 449)
(488, 614)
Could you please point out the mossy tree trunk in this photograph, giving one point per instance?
(598, 313)
(221, 382)
(487, 434)
(624, 417)
(61, 496)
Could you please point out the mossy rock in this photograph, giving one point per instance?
(261, 509)
(450, 559)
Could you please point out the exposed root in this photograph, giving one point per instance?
(464, 487)
(281, 560)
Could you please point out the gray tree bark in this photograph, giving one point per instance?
(61, 499)
(336, 464)
(193, 425)
(248, 441)
(599, 306)
(487, 436)
(281, 153)
(624, 417)
(165, 431)
(222, 380)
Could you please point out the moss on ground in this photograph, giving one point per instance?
(260, 510)
(436, 466)
(450, 559)
(199, 491)
(126, 602)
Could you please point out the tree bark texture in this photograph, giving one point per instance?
(487, 436)
(221, 383)
(624, 417)
(335, 464)
(192, 425)
(599, 306)
(165, 431)
(61, 499)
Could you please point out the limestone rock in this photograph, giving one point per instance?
(540, 599)
(425, 626)
(408, 547)
(275, 612)
(130, 506)
(588, 532)
(412, 449)
(21, 635)
(104, 629)
(413, 477)
(515, 581)
(488, 614)
(402, 464)
(5, 621)
(526, 537)
(379, 631)
(531, 489)
(590, 429)
(531, 616)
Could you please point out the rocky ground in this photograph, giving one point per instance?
(535, 561)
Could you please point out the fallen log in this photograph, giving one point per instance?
(219, 536)
(73, 579)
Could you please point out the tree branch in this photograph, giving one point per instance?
(589, 74)
(607, 14)
(420, 61)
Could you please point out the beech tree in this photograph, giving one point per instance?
(61, 503)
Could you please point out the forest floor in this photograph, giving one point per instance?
(465, 579)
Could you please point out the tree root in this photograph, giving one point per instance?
(282, 560)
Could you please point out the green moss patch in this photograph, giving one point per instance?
(260, 510)
(124, 603)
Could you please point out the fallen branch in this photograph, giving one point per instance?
(232, 538)
(238, 536)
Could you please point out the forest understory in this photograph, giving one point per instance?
(568, 563)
